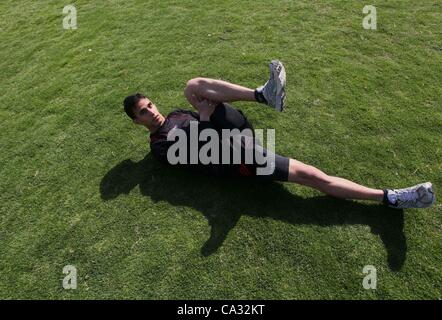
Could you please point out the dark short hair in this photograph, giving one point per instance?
(130, 102)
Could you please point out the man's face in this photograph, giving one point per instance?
(147, 113)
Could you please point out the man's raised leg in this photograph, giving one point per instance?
(271, 93)
(198, 89)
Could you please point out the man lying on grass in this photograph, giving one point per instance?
(211, 97)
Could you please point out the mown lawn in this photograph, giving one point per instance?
(79, 187)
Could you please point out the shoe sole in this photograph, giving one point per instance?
(429, 189)
(280, 87)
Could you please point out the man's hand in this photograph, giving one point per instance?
(205, 109)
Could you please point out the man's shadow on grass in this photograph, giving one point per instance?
(224, 200)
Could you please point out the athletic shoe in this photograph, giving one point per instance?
(274, 89)
(419, 196)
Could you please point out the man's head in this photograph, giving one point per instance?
(143, 111)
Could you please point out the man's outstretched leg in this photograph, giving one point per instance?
(271, 93)
(420, 196)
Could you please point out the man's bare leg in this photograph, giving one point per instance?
(307, 175)
(214, 90)
(272, 93)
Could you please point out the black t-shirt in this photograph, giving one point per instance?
(224, 117)
(179, 119)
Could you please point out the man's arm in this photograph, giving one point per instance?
(205, 109)
(204, 106)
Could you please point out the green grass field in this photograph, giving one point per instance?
(79, 187)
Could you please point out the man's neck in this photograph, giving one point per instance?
(154, 129)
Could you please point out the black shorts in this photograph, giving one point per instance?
(227, 117)
(280, 166)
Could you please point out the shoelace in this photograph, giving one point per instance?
(407, 195)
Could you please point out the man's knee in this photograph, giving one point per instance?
(306, 174)
(196, 86)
